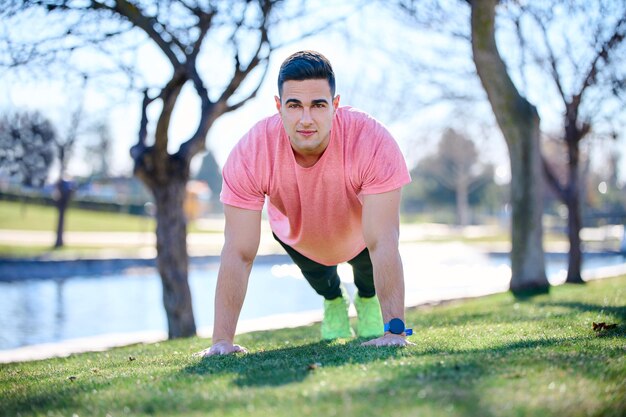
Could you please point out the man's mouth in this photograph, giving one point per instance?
(306, 132)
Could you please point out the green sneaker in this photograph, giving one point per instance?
(370, 323)
(336, 323)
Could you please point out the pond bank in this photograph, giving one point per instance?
(19, 269)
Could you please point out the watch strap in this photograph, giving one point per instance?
(396, 326)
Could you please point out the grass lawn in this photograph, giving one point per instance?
(493, 356)
(66, 252)
(15, 216)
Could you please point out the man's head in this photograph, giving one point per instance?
(306, 65)
(307, 104)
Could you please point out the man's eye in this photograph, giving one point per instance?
(294, 106)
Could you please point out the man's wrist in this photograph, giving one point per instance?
(403, 334)
(222, 341)
(396, 326)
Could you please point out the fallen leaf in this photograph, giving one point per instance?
(598, 327)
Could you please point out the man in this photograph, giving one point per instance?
(332, 177)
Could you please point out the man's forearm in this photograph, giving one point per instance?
(232, 283)
(388, 279)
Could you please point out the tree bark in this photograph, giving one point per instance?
(462, 200)
(574, 220)
(64, 195)
(172, 256)
(167, 174)
(519, 122)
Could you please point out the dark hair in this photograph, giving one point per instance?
(306, 65)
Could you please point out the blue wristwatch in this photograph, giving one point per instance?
(396, 326)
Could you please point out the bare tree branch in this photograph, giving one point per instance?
(552, 60)
(147, 24)
(602, 56)
(552, 179)
(137, 150)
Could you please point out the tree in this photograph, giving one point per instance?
(588, 81)
(210, 172)
(64, 188)
(456, 168)
(99, 149)
(517, 119)
(235, 37)
(26, 147)
(564, 57)
(519, 122)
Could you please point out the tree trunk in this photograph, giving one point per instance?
(64, 195)
(527, 256)
(172, 257)
(574, 221)
(519, 122)
(462, 201)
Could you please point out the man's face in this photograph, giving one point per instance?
(307, 109)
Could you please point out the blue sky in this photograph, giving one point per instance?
(367, 77)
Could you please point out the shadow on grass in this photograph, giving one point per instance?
(428, 379)
(454, 381)
(288, 365)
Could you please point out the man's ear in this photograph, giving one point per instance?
(336, 101)
(277, 99)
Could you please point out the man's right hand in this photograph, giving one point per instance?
(222, 348)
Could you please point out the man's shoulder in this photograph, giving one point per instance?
(270, 125)
(264, 132)
(351, 114)
(358, 125)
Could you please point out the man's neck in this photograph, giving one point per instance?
(306, 161)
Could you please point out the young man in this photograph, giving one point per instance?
(332, 177)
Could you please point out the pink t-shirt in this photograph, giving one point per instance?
(315, 210)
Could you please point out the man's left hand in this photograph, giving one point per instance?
(389, 339)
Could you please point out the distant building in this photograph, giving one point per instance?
(118, 190)
(197, 200)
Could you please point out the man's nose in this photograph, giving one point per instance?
(305, 118)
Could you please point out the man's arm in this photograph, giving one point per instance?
(381, 231)
(242, 233)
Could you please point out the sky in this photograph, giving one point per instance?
(367, 78)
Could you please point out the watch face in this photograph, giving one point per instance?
(396, 326)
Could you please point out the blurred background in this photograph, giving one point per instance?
(82, 84)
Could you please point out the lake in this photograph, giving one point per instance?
(51, 310)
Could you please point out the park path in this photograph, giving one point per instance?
(211, 242)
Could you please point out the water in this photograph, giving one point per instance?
(41, 311)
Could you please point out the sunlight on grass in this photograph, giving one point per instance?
(17, 216)
(493, 356)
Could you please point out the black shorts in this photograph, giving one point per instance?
(325, 280)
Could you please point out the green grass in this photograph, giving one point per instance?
(15, 216)
(66, 252)
(494, 356)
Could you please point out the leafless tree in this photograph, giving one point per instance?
(558, 54)
(64, 188)
(456, 167)
(233, 37)
(99, 149)
(517, 118)
(519, 121)
(26, 147)
(579, 47)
